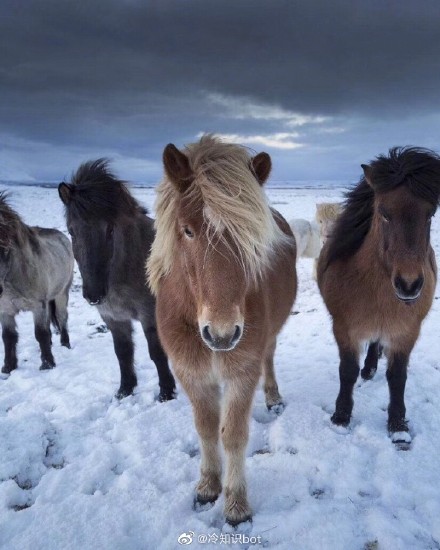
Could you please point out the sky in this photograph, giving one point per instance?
(321, 85)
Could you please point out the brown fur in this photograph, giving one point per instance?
(212, 283)
(360, 286)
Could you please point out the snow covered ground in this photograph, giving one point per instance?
(80, 470)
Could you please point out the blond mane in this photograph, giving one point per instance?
(328, 211)
(233, 202)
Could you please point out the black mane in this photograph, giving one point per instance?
(98, 194)
(416, 168)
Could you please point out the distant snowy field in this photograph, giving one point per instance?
(80, 470)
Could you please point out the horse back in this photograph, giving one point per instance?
(54, 250)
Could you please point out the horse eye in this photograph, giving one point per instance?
(385, 218)
(70, 230)
(110, 230)
(188, 232)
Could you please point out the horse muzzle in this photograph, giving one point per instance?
(408, 291)
(94, 299)
(221, 340)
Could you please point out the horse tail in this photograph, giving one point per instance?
(53, 315)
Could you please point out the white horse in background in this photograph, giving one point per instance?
(311, 236)
(326, 215)
(308, 244)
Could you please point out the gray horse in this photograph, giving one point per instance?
(36, 270)
(111, 238)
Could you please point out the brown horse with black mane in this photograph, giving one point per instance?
(223, 269)
(377, 274)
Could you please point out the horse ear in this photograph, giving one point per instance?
(65, 191)
(261, 167)
(177, 167)
(368, 173)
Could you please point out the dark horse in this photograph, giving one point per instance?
(377, 274)
(112, 237)
(36, 270)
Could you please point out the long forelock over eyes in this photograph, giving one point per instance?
(418, 169)
(99, 194)
(234, 207)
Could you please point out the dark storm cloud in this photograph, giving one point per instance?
(125, 77)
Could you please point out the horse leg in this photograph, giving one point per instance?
(205, 401)
(10, 339)
(370, 364)
(348, 374)
(167, 384)
(44, 336)
(396, 377)
(61, 313)
(273, 397)
(235, 432)
(124, 348)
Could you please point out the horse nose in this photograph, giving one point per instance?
(407, 289)
(221, 342)
(93, 299)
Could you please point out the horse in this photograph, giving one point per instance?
(223, 269)
(307, 238)
(377, 274)
(326, 215)
(311, 236)
(111, 238)
(36, 271)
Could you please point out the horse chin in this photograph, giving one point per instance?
(220, 348)
(230, 348)
(408, 301)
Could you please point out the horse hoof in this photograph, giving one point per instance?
(167, 395)
(368, 374)
(340, 419)
(47, 365)
(202, 504)
(402, 440)
(66, 345)
(7, 370)
(124, 392)
(277, 408)
(236, 522)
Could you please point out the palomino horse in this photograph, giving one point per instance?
(223, 269)
(111, 238)
(377, 273)
(36, 270)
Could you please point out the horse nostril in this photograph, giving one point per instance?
(206, 334)
(416, 286)
(237, 334)
(1, 290)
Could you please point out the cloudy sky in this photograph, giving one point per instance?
(322, 85)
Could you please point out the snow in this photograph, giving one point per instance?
(79, 469)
